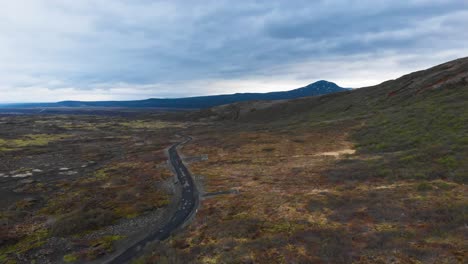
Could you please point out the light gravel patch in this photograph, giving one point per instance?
(337, 153)
(22, 175)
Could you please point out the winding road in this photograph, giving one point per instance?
(186, 208)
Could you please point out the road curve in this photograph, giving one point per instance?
(186, 208)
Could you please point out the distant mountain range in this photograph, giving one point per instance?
(317, 88)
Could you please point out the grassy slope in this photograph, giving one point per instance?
(400, 198)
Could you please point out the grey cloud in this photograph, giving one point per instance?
(148, 44)
(346, 23)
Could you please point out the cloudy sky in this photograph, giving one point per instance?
(52, 50)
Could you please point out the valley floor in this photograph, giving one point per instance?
(357, 187)
(303, 196)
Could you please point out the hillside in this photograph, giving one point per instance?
(417, 86)
(317, 88)
(373, 175)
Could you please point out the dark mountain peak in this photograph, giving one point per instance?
(322, 82)
(316, 88)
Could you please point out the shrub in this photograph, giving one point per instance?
(444, 185)
(424, 186)
(268, 149)
(82, 220)
(448, 161)
(101, 246)
(70, 258)
(7, 236)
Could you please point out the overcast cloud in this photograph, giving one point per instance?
(52, 50)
